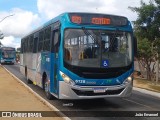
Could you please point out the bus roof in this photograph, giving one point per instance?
(7, 48)
(83, 18)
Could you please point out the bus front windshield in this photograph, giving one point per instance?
(8, 54)
(97, 48)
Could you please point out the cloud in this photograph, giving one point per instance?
(52, 8)
(10, 41)
(19, 24)
(16, 26)
(24, 21)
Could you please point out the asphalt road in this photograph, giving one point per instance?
(138, 102)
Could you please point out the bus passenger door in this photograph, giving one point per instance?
(54, 61)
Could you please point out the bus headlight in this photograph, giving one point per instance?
(129, 79)
(67, 79)
(2, 60)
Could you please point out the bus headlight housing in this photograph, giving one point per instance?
(2, 60)
(67, 79)
(129, 79)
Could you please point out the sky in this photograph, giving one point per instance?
(26, 15)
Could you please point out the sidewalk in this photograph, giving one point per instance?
(15, 97)
(146, 87)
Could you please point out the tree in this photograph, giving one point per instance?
(147, 30)
(146, 57)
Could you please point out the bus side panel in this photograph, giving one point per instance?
(45, 64)
(29, 64)
(51, 73)
(31, 67)
(22, 67)
(34, 65)
(38, 74)
(42, 65)
(54, 68)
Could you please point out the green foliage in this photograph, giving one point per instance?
(157, 47)
(147, 23)
(144, 49)
(147, 30)
(157, 2)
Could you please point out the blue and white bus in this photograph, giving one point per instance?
(80, 56)
(7, 55)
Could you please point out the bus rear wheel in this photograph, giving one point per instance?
(26, 75)
(29, 81)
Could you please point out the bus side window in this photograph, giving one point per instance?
(40, 43)
(26, 45)
(46, 43)
(31, 44)
(55, 41)
(22, 46)
(35, 45)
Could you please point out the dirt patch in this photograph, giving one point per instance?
(145, 84)
(15, 97)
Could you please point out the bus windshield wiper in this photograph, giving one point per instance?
(115, 34)
(89, 34)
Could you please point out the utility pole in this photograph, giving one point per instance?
(6, 17)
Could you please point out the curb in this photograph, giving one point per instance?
(38, 96)
(156, 94)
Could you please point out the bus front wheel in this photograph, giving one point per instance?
(46, 87)
(47, 91)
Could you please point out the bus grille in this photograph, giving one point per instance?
(91, 93)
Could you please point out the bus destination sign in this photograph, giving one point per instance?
(97, 19)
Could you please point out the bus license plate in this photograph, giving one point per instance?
(99, 90)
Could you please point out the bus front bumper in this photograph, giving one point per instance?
(7, 61)
(67, 91)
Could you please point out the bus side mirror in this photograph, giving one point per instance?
(135, 46)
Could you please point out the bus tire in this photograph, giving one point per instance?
(29, 81)
(47, 92)
(46, 86)
(26, 75)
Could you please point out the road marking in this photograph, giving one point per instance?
(140, 104)
(38, 96)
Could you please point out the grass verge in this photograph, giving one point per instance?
(146, 84)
